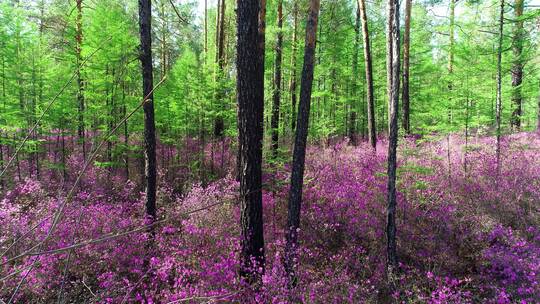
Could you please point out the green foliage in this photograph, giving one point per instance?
(38, 57)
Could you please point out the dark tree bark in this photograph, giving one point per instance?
(217, 30)
(352, 115)
(297, 175)
(406, 49)
(277, 82)
(126, 133)
(517, 65)
(352, 127)
(219, 123)
(292, 85)
(392, 142)
(145, 16)
(262, 31)
(372, 132)
(163, 40)
(221, 41)
(389, 42)
(467, 118)
(450, 83)
(498, 103)
(250, 98)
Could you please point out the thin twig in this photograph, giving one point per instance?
(68, 260)
(115, 235)
(134, 286)
(93, 294)
(216, 297)
(22, 236)
(23, 279)
(69, 197)
(178, 13)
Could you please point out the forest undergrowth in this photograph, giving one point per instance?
(468, 232)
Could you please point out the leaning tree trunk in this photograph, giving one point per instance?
(297, 175)
(250, 98)
(145, 16)
(498, 104)
(392, 143)
(372, 132)
(277, 82)
(406, 49)
(517, 65)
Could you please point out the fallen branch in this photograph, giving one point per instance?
(205, 298)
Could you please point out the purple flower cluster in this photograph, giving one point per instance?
(468, 231)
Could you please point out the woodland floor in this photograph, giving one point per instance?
(466, 233)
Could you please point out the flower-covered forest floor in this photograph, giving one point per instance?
(468, 232)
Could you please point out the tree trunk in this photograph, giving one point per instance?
(250, 98)
(126, 133)
(352, 115)
(293, 65)
(389, 41)
(372, 129)
(300, 142)
(450, 83)
(498, 104)
(517, 65)
(352, 127)
(467, 118)
(80, 82)
(145, 17)
(221, 41)
(262, 31)
(277, 82)
(163, 42)
(406, 49)
(219, 124)
(217, 31)
(392, 142)
(205, 31)
(64, 166)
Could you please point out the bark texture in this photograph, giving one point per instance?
(299, 153)
(250, 98)
(517, 65)
(498, 103)
(392, 143)
(277, 82)
(372, 132)
(145, 17)
(406, 49)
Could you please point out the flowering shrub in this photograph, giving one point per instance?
(468, 232)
